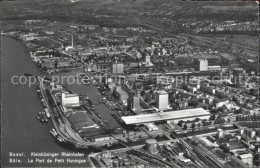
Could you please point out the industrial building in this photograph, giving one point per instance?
(235, 162)
(214, 68)
(120, 94)
(70, 47)
(148, 61)
(69, 99)
(151, 126)
(161, 100)
(117, 68)
(188, 114)
(203, 65)
(238, 76)
(247, 158)
(133, 103)
(220, 133)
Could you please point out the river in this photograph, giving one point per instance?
(21, 131)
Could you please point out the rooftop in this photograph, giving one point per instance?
(171, 115)
(71, 95)
(247, 155)
(162, 92)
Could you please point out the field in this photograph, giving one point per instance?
(250, 41)
(231, 7)
(245, 40)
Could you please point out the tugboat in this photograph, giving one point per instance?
(53, 132)
(47, 113)
(45, 117)
(43, 103)
(60, 139)
(39, 94)
(42, 119)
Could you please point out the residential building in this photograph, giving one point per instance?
(117, 68)
(161, 100)
(203, 65)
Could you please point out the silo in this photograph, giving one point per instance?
(151, 145)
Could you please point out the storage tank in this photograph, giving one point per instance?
(126, 163)
(115, 163)
(151, 145)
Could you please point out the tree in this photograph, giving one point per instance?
(254, 117)
(212, 117)
(204, 122)
(240, 110)
(193, 102)
(180, 123)
(228, 120)
(45, 68)
(185, 126)
(219, 120)
(148, 97)
(193, 125)
(238, 118)
(196, 119)
(142, 93)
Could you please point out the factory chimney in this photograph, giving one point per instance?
(72, 45)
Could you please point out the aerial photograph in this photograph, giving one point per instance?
(129, 84)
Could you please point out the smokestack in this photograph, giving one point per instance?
(72, 45)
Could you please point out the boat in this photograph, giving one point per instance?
(60, 139)
(47, 113)
(42, 118)
(27, 74)
(39, 95)
(45, 117)
(38, 117)
(47, 79)
(53, 132)
(43, 103)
